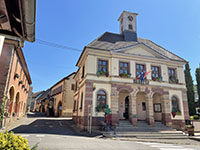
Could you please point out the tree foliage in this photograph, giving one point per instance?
(198, 83)
(190, 90)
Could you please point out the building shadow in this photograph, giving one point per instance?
(52, 126)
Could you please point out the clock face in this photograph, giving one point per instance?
(130, 18)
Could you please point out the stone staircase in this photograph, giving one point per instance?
(144, 131)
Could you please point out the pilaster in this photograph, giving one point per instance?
(149, 110)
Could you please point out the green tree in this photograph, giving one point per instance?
(190, 90)
(198, 83)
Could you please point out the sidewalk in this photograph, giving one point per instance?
(16, 123)
(196, 137)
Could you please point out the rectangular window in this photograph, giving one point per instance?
(76, 86)
(83, 72)
(81, 106)
(172, 75)
(102, 66)
(74, 106)
(72, 88)
(140, 69)
(124, 68)
(155, 74)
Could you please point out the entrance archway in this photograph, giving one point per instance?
(59, 109)
(157, 107)
(124, 104)
(141, 99)
(11, 97)
(16, 109)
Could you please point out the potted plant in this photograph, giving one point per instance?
(190, 130)
(23, 86)
(128, 75)
(101, 72)
(178, 113)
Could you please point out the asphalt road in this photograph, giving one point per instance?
(61, 134)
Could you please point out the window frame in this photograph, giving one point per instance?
(178, 103)
(128, 68)
(175, 74)
(97, 95)
(99, 59)
(159, 72)
(130, 27)
(81, 104)
(83, 72)
(136, 68)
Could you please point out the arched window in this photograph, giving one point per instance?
(175, 104)
(130, 27)
(101, 98)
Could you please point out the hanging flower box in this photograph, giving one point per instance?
(127, 75)
(159, 79)
(102, 73)
(178, 113)
(16, 76)
(173, 80)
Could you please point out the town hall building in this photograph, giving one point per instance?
(136, 78)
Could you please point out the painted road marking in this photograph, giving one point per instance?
(60, 123)
(175, 149)
(162, 146)
(40, 135)
(24, 135)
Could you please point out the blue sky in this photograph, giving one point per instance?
(172, 24)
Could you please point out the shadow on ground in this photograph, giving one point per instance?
(51, 126)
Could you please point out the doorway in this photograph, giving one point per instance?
(126, 113)
(123, 105)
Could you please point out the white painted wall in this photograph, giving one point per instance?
(107, 89)
(178, 94)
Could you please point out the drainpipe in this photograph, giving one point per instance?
(29, 11)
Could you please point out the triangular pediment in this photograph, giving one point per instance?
(140, 50)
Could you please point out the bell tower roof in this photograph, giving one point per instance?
(130, 13)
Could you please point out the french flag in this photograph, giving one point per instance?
(147, 73)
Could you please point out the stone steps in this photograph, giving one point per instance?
(144, 131)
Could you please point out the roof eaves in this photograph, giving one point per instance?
(167, 51)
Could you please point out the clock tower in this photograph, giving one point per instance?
(128, 25)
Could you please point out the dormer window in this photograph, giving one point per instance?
(130, 27)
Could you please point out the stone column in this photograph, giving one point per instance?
(115, 110)
(133, 111)
(185, 105)
(115, 105)
(88, 101)
(166, 112)
(149, 110)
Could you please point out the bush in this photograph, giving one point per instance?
(196, 117)
(191, 117)
(10, 141)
